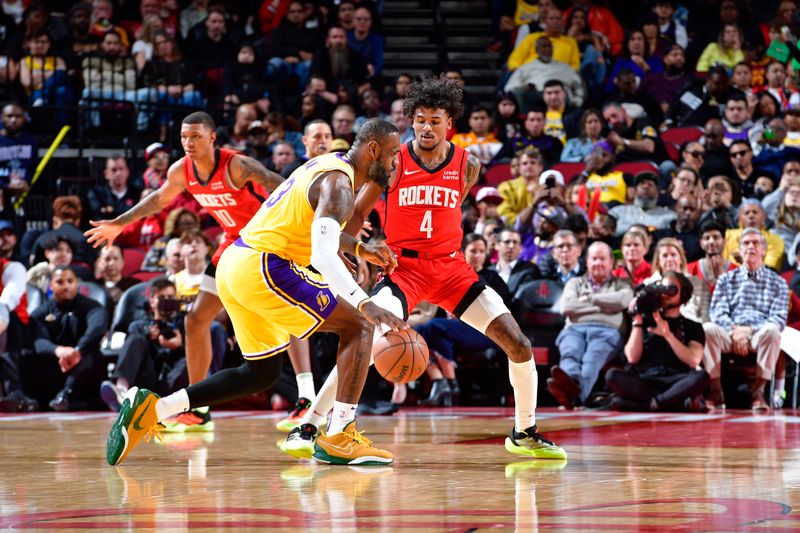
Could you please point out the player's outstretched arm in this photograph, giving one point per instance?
(245, 170)
(332, 199)
(473, 173)
(105, 231)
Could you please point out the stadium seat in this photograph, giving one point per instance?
(144, 275)
(787, 276)
(130, 307)
(97, 293)
(133, 258)
(634, 167)
(679, 136)
(212, 232)
(497, 174)
(569, 170)
(673, 151)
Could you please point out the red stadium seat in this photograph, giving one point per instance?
(143, 275)
(569, 170)
(634, 167)
(497, 174)
(681, 135)
(673, 151)
(133, 258)
(212, 232)
(787, 275)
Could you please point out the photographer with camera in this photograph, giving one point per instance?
(663, 352)
(593, 305)
(153, 354)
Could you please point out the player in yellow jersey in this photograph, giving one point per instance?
(270, 295)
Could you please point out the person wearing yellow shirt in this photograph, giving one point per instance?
(517, 193)
(752, 215)
(726, 51)
(600, 174)
(565, 48)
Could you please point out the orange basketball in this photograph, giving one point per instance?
(400, 356)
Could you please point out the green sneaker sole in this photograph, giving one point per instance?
(298, 450)
(285, 426)
(324, 457)
(118, 436)
(540, 453)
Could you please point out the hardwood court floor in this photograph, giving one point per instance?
(626, 472)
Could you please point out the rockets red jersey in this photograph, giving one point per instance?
(232, 208)
(423, 208)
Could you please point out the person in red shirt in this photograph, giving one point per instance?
(423, 229)
(634, 267)
(231, 187)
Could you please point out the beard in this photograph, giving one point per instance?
(339, 64)
(376, 173)
(645, 203)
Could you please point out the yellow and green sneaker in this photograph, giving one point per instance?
(531, 442)
(137, 420)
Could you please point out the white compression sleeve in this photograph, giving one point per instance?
(325, 233)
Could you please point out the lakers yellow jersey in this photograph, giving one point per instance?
(282, 225)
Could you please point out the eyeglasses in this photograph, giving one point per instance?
(739, 154)
(697, 154)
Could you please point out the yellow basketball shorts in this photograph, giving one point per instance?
(269, 299)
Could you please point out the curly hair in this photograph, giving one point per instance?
(434, 92)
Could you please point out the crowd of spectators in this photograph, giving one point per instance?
(655, 145)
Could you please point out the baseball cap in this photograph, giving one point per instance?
(559, 177)
(645, 176)
(153, 148)
(6, 225)
(489, 194)
(604, 145)
(554, 214)
(256, 125)
(339, 145)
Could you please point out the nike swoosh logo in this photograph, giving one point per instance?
(453, 254)
(192, 183)
(354, 291)
(136, 425)
(408, 173)
(343, 451)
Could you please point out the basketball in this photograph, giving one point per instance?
(400, 356)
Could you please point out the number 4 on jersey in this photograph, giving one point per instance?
(427, 225)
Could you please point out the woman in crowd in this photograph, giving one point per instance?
(634, 267)
(142, 49)
(507, 122)
(685, 180)
(591, 130)
(178, 221)
(670, 257)
(726, 51)
(636, 58)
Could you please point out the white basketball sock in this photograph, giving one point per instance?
(305, 385)
(322, 404)
(171, 405)
(343, 414)
(524, 379)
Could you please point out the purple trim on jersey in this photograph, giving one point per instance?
(291, 284)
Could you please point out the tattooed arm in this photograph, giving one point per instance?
(245, 170)
(472, 175)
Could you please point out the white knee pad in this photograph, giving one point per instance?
(209, 285)
(486, 307)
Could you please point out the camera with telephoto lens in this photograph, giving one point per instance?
(648, 297)
(169, 309)
(550, 182)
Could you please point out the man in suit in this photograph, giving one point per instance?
(513, 271)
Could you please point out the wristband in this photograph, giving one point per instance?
(358, 246)
(362, 303)
(638, 325)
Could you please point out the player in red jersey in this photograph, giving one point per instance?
(423, 228)
(231, 187)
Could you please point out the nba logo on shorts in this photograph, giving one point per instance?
(322, 300)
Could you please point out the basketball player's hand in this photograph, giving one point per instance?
(379, 254)
(379, 316)
(352, 267)
(104, 231)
